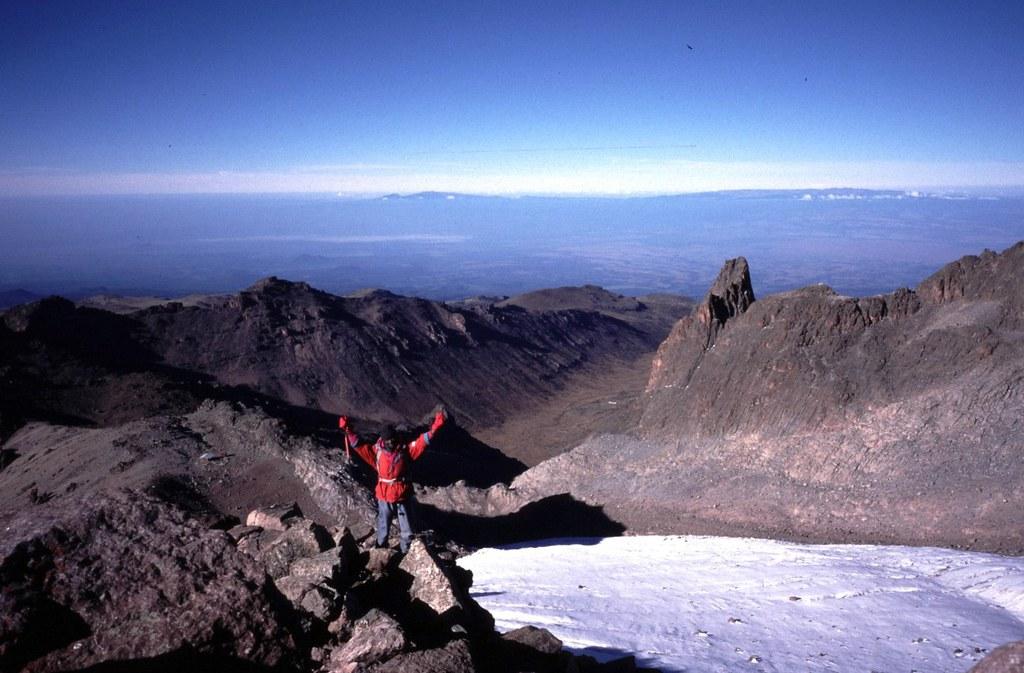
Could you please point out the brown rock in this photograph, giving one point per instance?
(375, 637)
(302, 539)
(1006, 659)
(454, 657)
(431, 585)
(379, 559)
(276, 517)
(319, 600)
(330, 567)
(534, 649)
(538, 639)
(349, 608)
(238, 533)
(730, 295)
(128, 578)
(257, 541)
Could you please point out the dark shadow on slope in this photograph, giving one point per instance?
(87, 367)
(91, 334)
(177, 491)
(184, 659)
(615, 661)
(455, 455)
(38, 625)
(7, 456)
(557, 516)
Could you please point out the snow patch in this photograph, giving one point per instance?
(704, 604)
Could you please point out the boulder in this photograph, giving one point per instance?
(239, 533)
(537, 639)
(256, 541)
(431, 585)
(379, 559)
(319, 600)
(349, 608)
(346, 541)
(730, 295)
(275, 517)
(329, 567)
(375, 637)
(128, 578)
(1006, 659)
(454, 657)
(302, 539)
(533, 649)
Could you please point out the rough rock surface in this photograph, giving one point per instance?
(1006, 659)
(82, 366)
(221, 459)
(390, 358)
(431, 585)
(302, 539)
(455, 657)
(131, 578)
(730, 295)
(375, 637)
(273, 518)
(540, 640)
(809, 415)
(328, 567)
(132, 583)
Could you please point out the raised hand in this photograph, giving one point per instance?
(439, 419)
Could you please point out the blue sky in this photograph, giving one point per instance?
(508, 97)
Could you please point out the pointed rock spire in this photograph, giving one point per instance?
(730, 295)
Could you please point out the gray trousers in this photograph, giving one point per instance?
(386, 511)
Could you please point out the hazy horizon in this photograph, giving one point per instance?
(196, 147)
(450, 247)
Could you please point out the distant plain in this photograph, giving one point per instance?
(453, 246)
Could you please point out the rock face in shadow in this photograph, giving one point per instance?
(816, 416)
(384, 357)
(129, 578)
(374, 356)
(81, 366)
(491, 518)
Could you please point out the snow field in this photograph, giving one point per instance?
(705, 604)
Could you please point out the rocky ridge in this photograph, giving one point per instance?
(386, 357)
(809, 415)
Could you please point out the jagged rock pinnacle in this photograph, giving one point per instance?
(730, 295)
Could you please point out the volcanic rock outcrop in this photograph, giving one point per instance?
(131, 583)
(223, 459)
(812, 415)
(389, 358)
(130, 579)
(380, 355)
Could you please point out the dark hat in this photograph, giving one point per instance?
(389, 434)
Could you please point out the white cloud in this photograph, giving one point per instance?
(622, 178)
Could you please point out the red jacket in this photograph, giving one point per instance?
(389, 465)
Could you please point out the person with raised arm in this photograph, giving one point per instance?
(390, 456)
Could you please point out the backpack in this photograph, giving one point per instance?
(390, 465)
